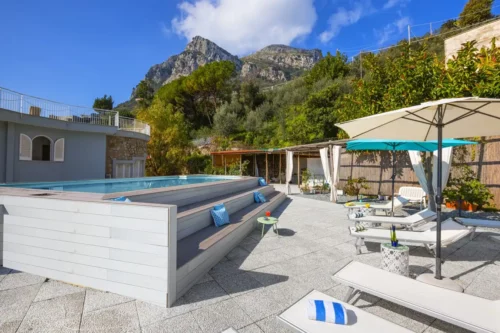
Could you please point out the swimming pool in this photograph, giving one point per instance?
(106, 186)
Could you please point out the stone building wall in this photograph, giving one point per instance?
(122, 148)
(483, 35)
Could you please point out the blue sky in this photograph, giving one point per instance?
(74, 51)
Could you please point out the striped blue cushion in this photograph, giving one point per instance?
(330, 312)
(262, 182)
(220, 215)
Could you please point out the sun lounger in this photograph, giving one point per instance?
(295, 318)
(410, 222)
(474, 223)
(463, 310)
(450, 233)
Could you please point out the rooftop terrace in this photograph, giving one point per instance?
(252, 284)
(39, 107)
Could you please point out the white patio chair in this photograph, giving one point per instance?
(410, 222)
(450, 233)
(463, 310)
(295, 318)
(413, 194)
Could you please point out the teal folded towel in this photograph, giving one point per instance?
(122, 199)
(220, 215)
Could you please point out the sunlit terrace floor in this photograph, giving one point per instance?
(256, 281)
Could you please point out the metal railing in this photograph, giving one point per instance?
(134, 125)
(39, 107)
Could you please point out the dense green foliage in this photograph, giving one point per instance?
(212, 103)
(475, 11)
(466, 187)
(144, 93)
(106, 103)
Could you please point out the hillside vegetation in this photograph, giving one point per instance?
(213, 102)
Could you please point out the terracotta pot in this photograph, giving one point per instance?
(468, 207)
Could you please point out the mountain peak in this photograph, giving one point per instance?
(208, 48)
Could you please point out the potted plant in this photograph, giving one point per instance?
(306, 176)
(355, 185)
(466, 192)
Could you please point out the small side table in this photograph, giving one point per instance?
(268, 220)
(395, 259)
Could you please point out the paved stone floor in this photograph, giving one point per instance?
(247, 289)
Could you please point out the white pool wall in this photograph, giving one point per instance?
(125, 248)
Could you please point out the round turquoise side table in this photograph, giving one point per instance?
(268, 220)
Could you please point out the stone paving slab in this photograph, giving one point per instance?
(61, 314)
(256, 281)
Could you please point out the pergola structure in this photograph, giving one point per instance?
(265, 156)
(328, 151)
(272, 160)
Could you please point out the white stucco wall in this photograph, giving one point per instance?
(483, 35)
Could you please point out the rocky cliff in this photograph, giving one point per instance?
(272, 64)
(279, 62)
(198, 52)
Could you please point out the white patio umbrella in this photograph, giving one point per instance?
(446, 118)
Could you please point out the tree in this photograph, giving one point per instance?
(144, 93)
(105, 103)
(475, 11)
(210, 85)
(331, 67)
(169, 141)
(250, 95)
(225, 121)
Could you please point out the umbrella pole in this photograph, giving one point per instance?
(393, 179)
(439, 199)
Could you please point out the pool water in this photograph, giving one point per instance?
(120, 185)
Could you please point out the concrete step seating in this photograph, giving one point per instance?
(194, 217)
(199, 251)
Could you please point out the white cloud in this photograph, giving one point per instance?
(394, 3)
(345, 17)
(391, 30)
(402, 23)
(244, 26)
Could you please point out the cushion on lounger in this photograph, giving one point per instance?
(220, 215)
(330, 312)
(262, 182)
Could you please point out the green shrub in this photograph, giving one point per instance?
(355, 185)
(466, 187)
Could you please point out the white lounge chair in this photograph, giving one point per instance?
(450, 233)
(295, 318)
(463, 310)
(410, 222)
(413, 194)
(474, 223)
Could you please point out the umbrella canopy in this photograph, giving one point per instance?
(394, 145)
(446, 118)
(383, 144)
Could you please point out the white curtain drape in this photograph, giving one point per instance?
(325, 163)
(447, 157)
(336, 172)
(418, 167)
(289, 169)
